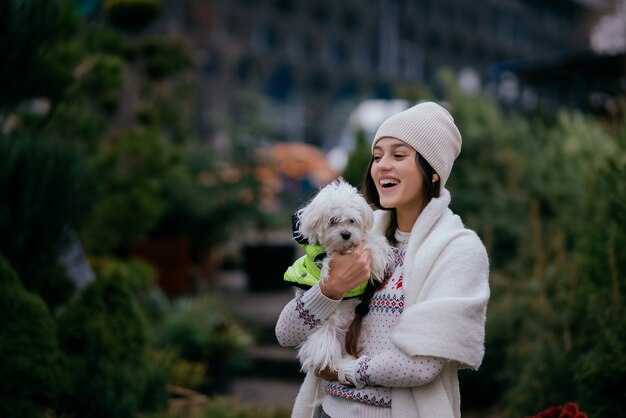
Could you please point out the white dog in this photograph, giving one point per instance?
(339, 218)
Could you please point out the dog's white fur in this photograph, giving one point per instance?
(339, 218)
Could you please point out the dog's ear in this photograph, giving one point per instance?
(367, 214)
(295, 225)
(311, 222)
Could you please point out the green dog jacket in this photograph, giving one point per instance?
(304, 273)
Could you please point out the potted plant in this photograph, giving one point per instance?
(202, 331)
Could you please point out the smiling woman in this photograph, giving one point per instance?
(411, 333)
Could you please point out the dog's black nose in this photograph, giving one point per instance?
(345, 235)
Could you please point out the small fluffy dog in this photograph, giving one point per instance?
(339, 218)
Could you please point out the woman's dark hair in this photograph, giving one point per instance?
(368, 188)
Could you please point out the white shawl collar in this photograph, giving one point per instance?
(446, 288)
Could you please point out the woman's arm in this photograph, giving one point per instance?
(307, 311)
(392, 368)
(302, 315)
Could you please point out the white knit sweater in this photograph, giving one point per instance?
(446, 291)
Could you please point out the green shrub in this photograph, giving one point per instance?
(231, 408)
(546, 194)
(132, 172)
(131, 14)
(137, 275)
(103, 80)
(572, 343)
(105, 339)
(53, 285)
(201, 330)
(27, 28)
(163, 57)
(358, 160)
(31, 372)
(45, 191)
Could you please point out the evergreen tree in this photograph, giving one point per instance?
(31, 372)
(358, 160)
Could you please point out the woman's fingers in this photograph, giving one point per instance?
(327, 374)
(347, 271)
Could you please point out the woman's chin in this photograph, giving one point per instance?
(387, 203)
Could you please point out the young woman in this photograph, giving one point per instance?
(412, 334)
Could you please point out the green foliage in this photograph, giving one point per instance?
(53, 285)
(132, 172)
(182, 373)
(102, 80)
(200, 330)
(99, 38)
(491, 169)
(132, 156)
(413, 93)
(45, 190)
(226, 407)
(575, 341)
(131, 14)
(164, 57)
(203, 331)
(104, 337)
(26, 27)
(358, 160)
(213, 192)
(246, 126)
(76, 123)
(231, 408)
(77, 75)
(543, 193)
(31, 372)
(603, 366)
(80, 77)
(137, 275)
(210, 197)
(89, 70)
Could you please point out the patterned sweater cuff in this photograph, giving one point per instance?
(317, 304)
(354, 371)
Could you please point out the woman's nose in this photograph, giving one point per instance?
(384, 162)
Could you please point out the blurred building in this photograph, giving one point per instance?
(588, 81)
(314, 60)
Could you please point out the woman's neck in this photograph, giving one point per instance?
(407, 217)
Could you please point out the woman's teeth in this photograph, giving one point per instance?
(388, 182)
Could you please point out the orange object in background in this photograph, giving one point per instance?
(299, 160)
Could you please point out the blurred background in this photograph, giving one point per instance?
(152, 152)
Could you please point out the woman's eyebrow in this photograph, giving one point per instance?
(393, 146)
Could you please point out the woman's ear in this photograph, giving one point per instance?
(435, 177)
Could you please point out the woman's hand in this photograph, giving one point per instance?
(346, 272)
(327, 374)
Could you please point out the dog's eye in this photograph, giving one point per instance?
(333, 221)
(352, 221)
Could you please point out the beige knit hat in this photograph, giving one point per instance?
(430, 130)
